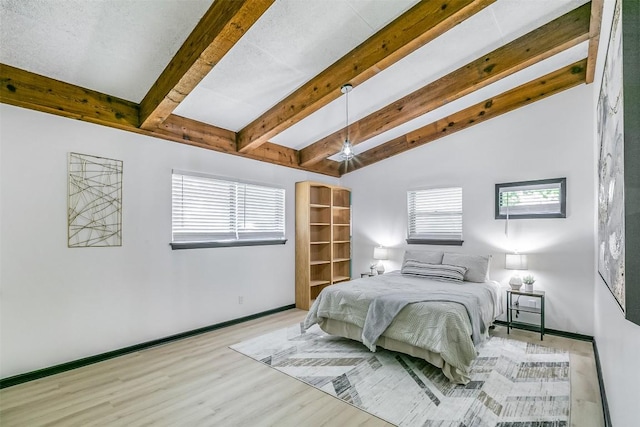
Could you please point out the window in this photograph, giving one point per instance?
(435, 216)
(212, 212)
(544, 198)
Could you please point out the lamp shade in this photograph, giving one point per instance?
(380, 253)
(516, 262)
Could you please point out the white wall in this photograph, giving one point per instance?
(618, 340)
(548, 139)
(60, 304)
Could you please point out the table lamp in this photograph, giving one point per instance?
(380, 253)
(515, 262)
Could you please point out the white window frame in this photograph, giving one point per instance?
(526, 199)
(210, 211)
(442, 207)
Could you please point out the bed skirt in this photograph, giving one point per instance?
(351, 331)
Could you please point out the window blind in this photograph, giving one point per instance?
(260, 212)
(435, 214)
(532, 199)
(206, 209)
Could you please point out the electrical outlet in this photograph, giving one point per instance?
(240, 299)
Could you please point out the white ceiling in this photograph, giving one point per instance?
(291, 43)
(120, 47)
(117, 47)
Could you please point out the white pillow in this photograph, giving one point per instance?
(428, 257)
(451, 273)
(477, 265)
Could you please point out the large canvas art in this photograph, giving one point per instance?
(95, 201)
(611, 203)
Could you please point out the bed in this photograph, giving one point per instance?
(435, 320)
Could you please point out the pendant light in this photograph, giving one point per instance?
(347, 149)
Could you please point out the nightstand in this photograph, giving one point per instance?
(367, 274)
(515, 306)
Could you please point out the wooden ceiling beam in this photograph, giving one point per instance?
(556, 36)
(527, 93)
(413, 29)
(218, 31)
(325, 167)
(594, 38)
(192, 132)
(29, 90)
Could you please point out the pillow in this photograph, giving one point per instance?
(452, 273)
(477, 265)
(423, 256)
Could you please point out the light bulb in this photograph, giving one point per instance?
(347, 150)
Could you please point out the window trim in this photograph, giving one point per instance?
(431, 241)
(448, 242)
(563, 199)
(225, 244)
(178, 245)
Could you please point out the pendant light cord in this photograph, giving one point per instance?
(347, 150)
(347, 115)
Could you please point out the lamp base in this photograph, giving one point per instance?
(516, 283)
(380, 268)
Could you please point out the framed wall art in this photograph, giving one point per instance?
(94, 201)
(618, 133)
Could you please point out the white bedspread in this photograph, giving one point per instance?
(439, 326)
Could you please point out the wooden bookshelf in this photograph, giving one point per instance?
(323, 239)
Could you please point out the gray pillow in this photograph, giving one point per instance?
(451, 273)
(423, 256)
(477, 265)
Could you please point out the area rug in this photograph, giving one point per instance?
(513, 383)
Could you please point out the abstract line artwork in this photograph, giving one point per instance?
(95, 201)
(611, 226)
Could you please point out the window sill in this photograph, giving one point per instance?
(435, 242)
(229, 244)
(532, 216)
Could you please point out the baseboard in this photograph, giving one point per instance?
(603, 395)
(45, 372)
(557, 332)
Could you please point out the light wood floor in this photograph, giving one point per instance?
(200, 381)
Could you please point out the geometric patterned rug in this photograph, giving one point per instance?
(513, 383)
